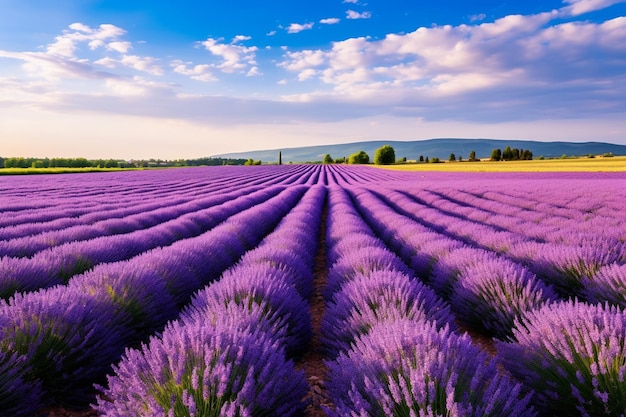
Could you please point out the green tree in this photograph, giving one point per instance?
(496, 155)
(472, 156)
(421, 158)
(452, 157)
(328, 159)
(385, 155)
(360, 157)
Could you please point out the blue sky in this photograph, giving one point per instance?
(187, 79)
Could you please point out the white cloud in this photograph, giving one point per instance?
(235, 57)
(351, 14)
(330, 21)
(118, 46)
(489, 70)
(241, 38)
(140, 63)
(67, 43)
(351, 1)
(201, 72)
(297, 27)
(578, 7)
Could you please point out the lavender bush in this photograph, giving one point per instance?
(198, 370)
(489, 296)
(67, 338)
(380, 297)
(249, 285)
(607, 285)
(414, 369)
(573, 355)
(20, 393)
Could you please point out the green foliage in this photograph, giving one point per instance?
(252, 162)
(360, 157)
(435, 160)
(496, 155)
(452, 157)
(328, 159)
(385, 155)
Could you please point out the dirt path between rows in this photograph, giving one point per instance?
(312, 362)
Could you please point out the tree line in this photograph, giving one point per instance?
(20, 162)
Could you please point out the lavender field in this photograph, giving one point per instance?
(192, 292)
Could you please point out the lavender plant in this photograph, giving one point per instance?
(409, 368)
(362, 261)
(67, 338)
(573, 355)
(198, 370)
(380, 297)
(20, 393)
(489, 296)
(249, 285)
(607, 285)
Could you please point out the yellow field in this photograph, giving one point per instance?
(598, 164)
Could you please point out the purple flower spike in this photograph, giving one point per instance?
(381, 297)
(248, 285)
(607, 285)
(573, 355)
(20, 394)
(491, 295)
(363, 261)
(215, 371)
(415, 369)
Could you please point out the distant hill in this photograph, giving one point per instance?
(440, 148)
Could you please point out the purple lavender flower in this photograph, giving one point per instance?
(362, 261)
(380, 297)
(607, 285)
(573, 355)
(217, 371)
(20, 392)
(409, 368)
(248, 285)
(489, 296)
(67, 338)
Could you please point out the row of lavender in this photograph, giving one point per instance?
(56, 343)
(394, 346)
(570, 355)
(486, 287)
(229, 354)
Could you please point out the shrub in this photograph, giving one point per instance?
(489, 296)
(607, 285)
(199, 370)
(385, 155)
(250, 285)
(20, 394)
(573, 355)
(409, 369)
(360, 157)
(381, 297)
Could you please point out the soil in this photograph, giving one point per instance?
(312, 362)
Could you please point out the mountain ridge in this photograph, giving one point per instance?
(437, 147)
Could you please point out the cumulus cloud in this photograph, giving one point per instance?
(202, 72)
(351, 14)
(67, 43)
(235, 57)
(497, 67)
(297, 27)
(139, 63)
(330, 21)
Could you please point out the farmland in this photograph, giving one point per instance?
(306, 290)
